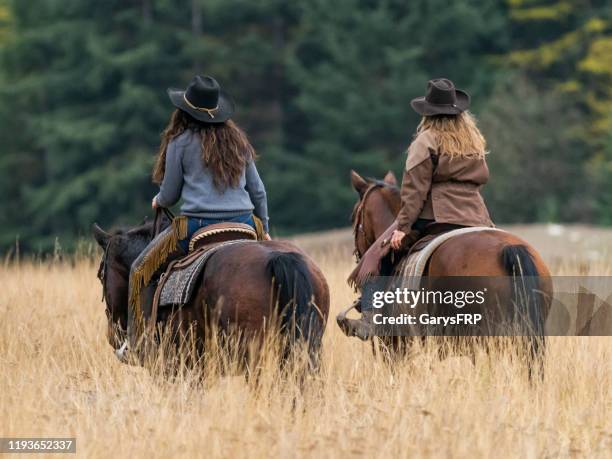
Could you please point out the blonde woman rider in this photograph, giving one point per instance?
(445, 170)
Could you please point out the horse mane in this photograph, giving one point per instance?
(145, 227)
(126, 243)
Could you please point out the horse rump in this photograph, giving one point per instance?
(526, 294)
(293, 295)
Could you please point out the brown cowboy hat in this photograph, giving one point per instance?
(441, 99)
(204, 100)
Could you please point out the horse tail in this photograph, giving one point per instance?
(520, 265)
(293, 294)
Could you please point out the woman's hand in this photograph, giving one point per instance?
(154, 204)
(266, 237)
(396, 239)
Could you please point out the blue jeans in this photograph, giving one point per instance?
(195, 223)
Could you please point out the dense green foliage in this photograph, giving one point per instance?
(320, 87)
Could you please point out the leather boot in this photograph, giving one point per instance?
(362, 328)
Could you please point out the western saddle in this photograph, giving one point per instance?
(202, 244)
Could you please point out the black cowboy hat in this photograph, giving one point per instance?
(204, 100)
(441, 99)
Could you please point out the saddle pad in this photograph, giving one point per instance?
(411, 268)
(178, 287)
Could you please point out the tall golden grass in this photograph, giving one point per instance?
(59, 377)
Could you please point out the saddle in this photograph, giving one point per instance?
(221, 232)
(177, 284)
(412, 266)
(416, 245)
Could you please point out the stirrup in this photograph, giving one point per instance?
(342, 316)
(355, 327)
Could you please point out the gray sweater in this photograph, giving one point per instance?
(187, 178)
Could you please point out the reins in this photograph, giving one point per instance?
(157, 222)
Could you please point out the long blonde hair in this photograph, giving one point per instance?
(455, 135)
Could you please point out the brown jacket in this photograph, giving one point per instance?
(447, 192)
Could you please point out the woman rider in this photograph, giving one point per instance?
(206, 161)
(444, 172)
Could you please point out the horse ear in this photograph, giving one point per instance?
(359, 183)
(100, 235)
(390, 178)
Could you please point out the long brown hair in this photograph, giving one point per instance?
(456, 135)
(226, 150)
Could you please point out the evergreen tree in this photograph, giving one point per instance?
(320, 88)
(83, 80)
(356, 67)
(534, 153)
(564, 48)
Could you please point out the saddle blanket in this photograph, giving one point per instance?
(182, 276)
(411, 268)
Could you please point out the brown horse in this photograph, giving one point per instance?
(242, 288)
(491, 257)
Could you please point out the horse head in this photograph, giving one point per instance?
(120, 249)
(378, 205)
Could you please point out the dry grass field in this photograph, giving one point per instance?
(59, 377)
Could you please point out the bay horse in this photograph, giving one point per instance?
(488, 256)
(242, 288)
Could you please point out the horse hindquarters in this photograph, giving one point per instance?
(511, 268)
(244, 286)
(527, 293)
(294, 289)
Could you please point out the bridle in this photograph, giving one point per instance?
(157, 228)
(103, 275)
(102, 270)
(358, 228)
